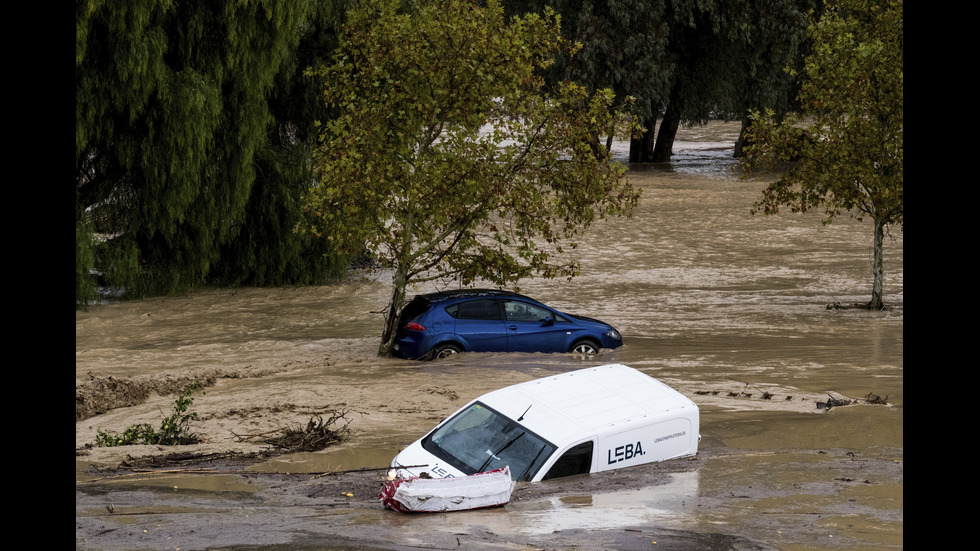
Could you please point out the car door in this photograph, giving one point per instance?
(531, 328)
(479, 323)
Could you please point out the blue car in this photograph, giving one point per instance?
(437, 325)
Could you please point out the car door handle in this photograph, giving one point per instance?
(513, 328)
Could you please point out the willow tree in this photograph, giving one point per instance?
(172, 119)
(847, 142)
(451, 159)
(265, 250)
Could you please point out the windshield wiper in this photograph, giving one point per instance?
(524, 475)
(494, 455)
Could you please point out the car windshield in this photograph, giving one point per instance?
(479, 439)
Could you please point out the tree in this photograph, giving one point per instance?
(846, 143)
(623, 47)
(775, 40)
(450, 157)
(265, 250)
(728, 58)
(172, 123)
(683, 61)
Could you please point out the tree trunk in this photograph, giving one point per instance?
(392, 312)
(641, 149)
(877, 266)
(740, 142)
(666, 135)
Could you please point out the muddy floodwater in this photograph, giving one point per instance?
(729, 308)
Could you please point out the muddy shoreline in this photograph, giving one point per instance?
(228, 494)
(171, 506)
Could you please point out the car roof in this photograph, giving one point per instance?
(470, 293)
(591, 401)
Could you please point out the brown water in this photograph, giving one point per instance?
(714, 301)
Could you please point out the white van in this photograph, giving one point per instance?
(584, 421)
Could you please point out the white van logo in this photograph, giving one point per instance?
(629, 451)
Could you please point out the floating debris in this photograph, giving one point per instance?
(873, 398)
(317, 435)
(833, 402)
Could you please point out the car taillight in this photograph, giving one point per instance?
(414, 326)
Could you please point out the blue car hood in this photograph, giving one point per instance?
(591, 320)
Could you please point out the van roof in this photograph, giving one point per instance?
(591, 401)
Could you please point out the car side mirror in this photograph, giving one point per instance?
(548, 322)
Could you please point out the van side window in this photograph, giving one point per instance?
(577, 460)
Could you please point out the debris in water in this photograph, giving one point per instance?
(317, 435)
(832, 402)
(420, 495)
(873, 398)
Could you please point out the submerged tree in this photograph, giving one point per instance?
(622, 46)
(846, 144)
(450, 157)
(685, 62)
(727, 58)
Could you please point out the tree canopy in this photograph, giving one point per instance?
(683, 61)
(846, 144)
(173, 124)
(450, 158)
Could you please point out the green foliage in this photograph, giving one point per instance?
(847, 143)
(683, 60)
(174, 429)
(623, 46)
(174, 122)
(85, 284)
(450, 157)
(265, 250)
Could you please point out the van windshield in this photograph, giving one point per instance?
(480, 439)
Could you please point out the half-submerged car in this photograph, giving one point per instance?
(585, 421)
(440, 324)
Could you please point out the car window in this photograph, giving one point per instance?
(516, 310)
(483, 309)
(577, 460)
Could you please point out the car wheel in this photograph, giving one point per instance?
(586, 347)
(444, 351)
